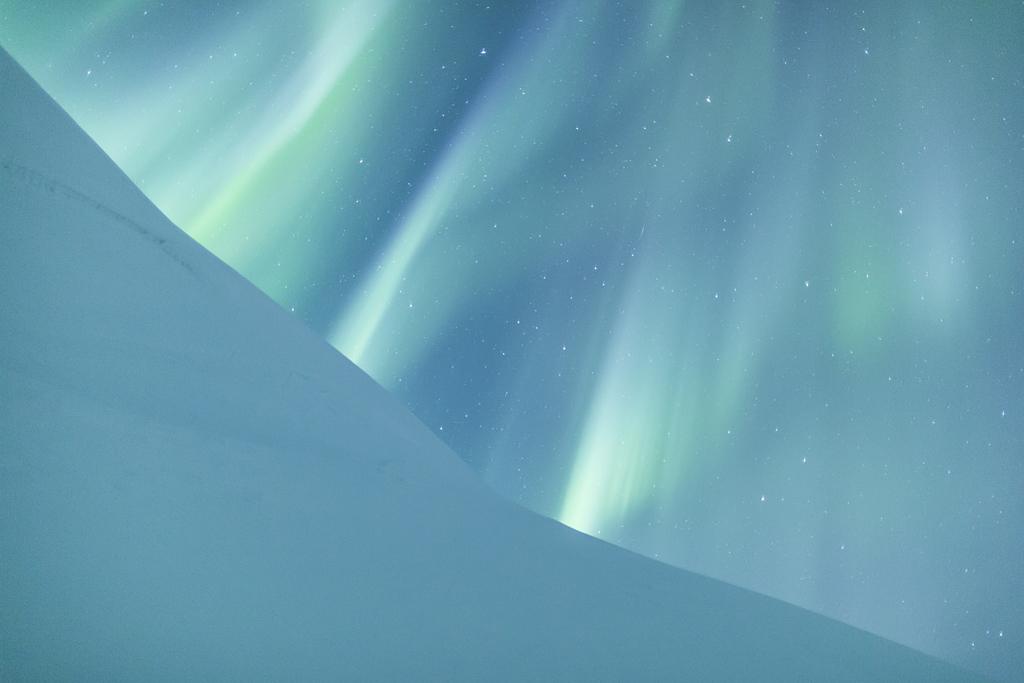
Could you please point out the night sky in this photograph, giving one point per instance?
(739, 286)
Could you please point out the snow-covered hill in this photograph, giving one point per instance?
(193, 486)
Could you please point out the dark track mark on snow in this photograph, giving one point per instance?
(38, 181)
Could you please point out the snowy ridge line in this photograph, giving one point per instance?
(39, 181)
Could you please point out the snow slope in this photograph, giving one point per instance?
(193, 486)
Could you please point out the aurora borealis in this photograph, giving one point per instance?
(735, 285)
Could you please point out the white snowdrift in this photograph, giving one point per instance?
(192, 486)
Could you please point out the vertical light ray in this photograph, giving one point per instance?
(355, 333)
(491, 144)
(650, 402)
(634, 438)
(611, 470)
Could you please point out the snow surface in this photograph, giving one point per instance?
(193, 486)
